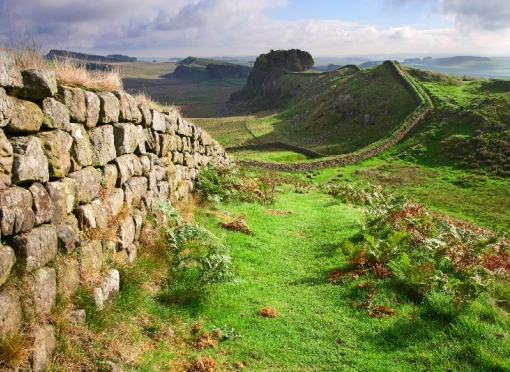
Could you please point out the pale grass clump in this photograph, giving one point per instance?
(70, 72)
(145, 99)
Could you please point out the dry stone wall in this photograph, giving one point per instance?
(78, 172)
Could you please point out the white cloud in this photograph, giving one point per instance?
(219, 27)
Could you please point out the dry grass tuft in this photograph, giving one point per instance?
(278, 212)
(14, 352)
(268, 312)
(203, 364)
(206, 340)
(145, 99)
(70, 72)
(238, 224)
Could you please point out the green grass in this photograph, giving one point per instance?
(285, 265)
(272, 155)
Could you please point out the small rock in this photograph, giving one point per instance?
(38, 84)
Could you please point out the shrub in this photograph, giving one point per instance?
(429, 255)
(228, 183)
(197, 259)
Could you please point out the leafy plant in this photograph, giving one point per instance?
(197, 259)
(228, 183)
(429, 255)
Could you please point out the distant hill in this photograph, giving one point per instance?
(269, 68)
(200, 69)
(55, 53)
(464, 66)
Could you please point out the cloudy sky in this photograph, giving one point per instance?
(172, 28)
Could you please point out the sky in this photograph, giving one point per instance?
(179, 28)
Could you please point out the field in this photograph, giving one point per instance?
(284, 266)
(193, 99)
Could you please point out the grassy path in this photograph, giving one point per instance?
(284, 265)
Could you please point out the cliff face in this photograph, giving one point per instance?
(78, 172)
(261, 90)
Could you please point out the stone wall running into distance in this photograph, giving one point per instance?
(424, 106)
(78, 173)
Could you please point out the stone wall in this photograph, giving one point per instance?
(78, 172)
(278, 145)
(374, 149)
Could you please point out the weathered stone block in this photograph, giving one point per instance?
(10, 312)
(37, 247)
(68, 276)
(134, 189)
(151, 141)
(161, 173)
(38, 84)
(126, 140)
(177, 157)
(10, 75)
(158, 121)
(140, 136)
(68, 234)
(77, 316)
(30, 163)
(189, 161)
(7, 260)
(56, 145)
(58, 196)
(6, 160)
(126, 232)
(115, 202)
(110, 108)
(42, 205)
(136, 114)
(86, 216)
(44, 346)
(110, 175)
(81, 149)
(108, 290)
(16, 214)
(18, 116)
(124, 109)
(146, 115)
(74, 99)
(146, 163)
(91, 256)
(56, 115)
(163, 190)
(101, 214)
(164, 144)
(69, 193)
(151, 181)
(138, 220)
(88, 184)
(103, 145)
(93, 107)
(128, 166)
(171, 118)
(132, 252)
(43, 289)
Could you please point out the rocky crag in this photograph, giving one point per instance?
(78, 172)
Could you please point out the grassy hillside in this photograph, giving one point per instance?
(469, 128)
(332, 113)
